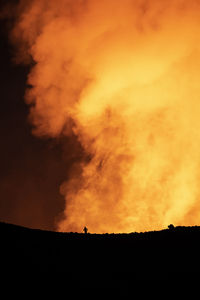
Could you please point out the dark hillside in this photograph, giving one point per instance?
(107, 258)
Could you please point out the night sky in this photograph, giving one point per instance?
(31, 169)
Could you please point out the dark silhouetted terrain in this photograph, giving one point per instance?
(101, 260)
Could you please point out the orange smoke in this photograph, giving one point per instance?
(124, 77)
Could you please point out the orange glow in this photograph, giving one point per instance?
(127, 73)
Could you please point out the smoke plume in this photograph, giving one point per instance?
(123, 76)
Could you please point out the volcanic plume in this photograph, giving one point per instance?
(122, 76)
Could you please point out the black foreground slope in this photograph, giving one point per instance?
(107, 258)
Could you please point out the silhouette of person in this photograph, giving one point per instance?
(85, 229)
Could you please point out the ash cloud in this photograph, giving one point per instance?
(122, 77)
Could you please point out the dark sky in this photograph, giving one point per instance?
(31, 169)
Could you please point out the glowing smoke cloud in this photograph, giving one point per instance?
(123, 75)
